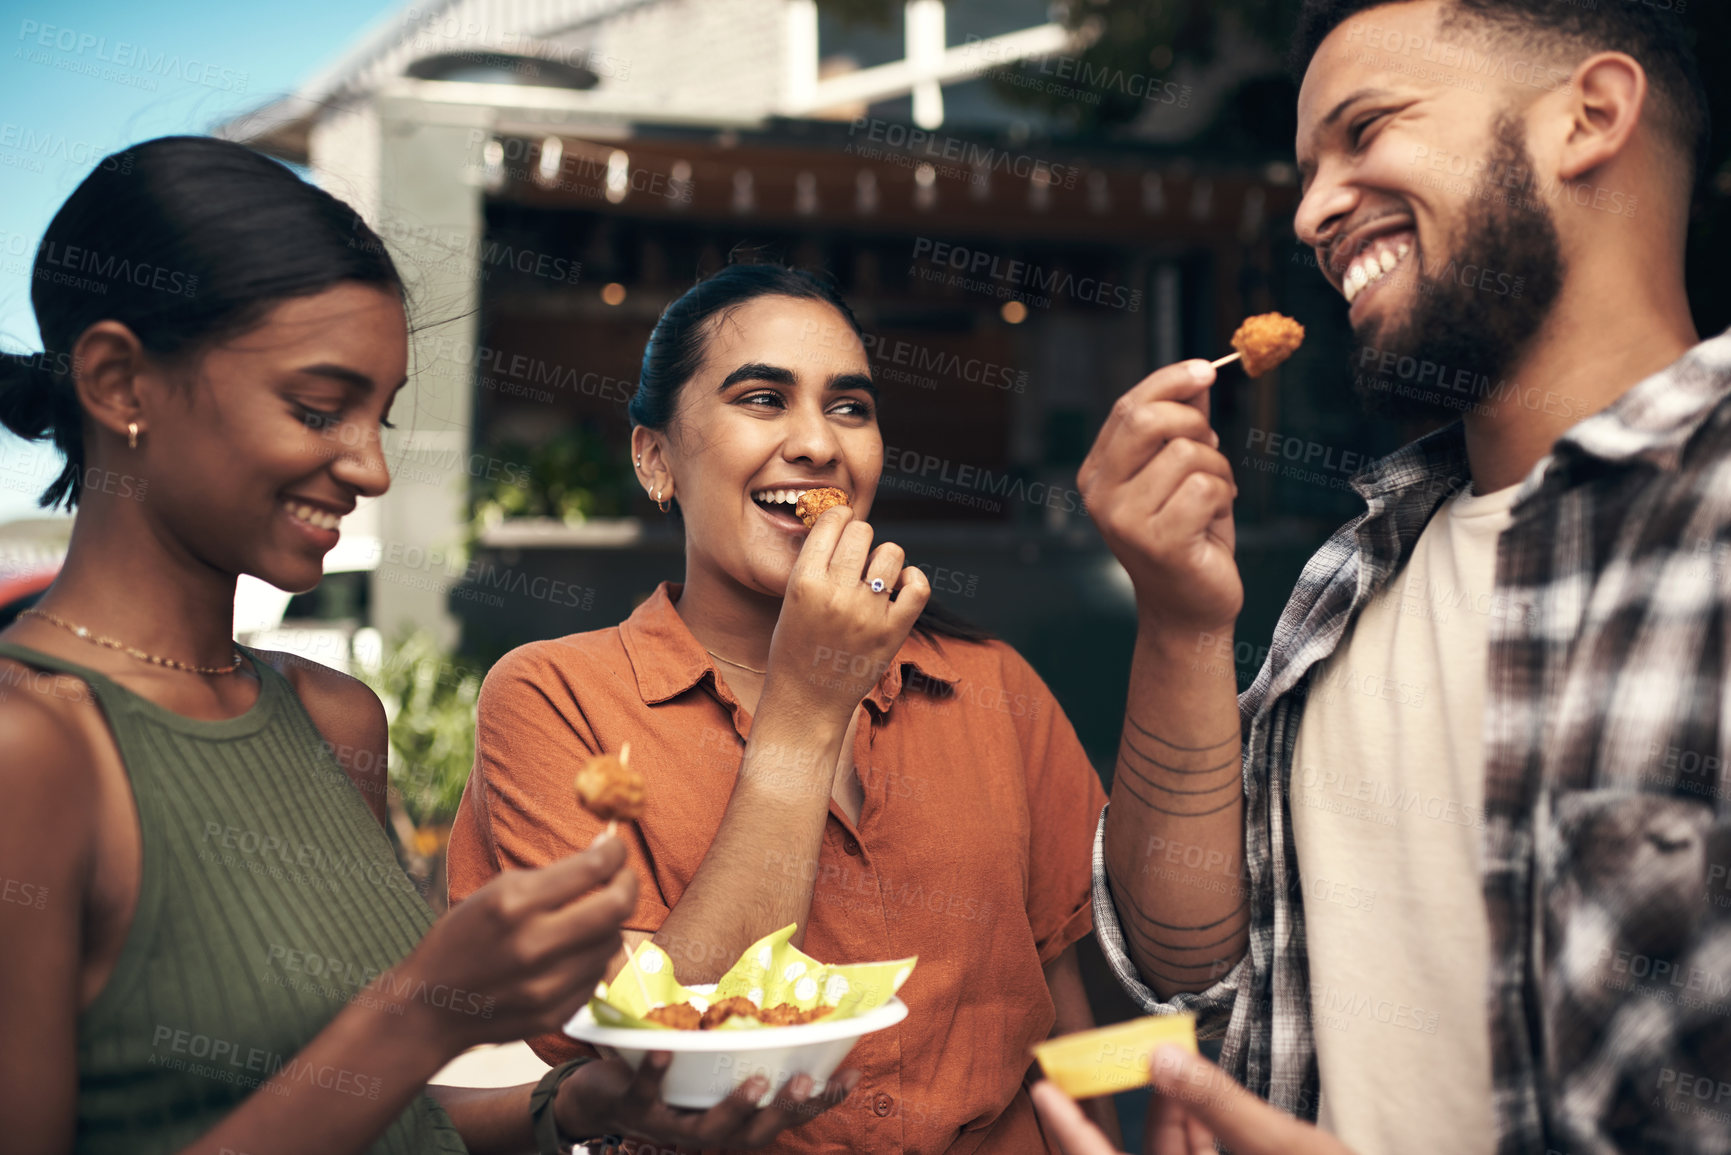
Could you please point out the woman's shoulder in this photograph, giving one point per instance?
(337, 702)
(990, 671)
(575, 661)
(348, 716)
(50, 752)
(570, 651)
(315, 680)
(991, 659)
(542, 695)
(44, 716)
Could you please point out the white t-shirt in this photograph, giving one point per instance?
(1387, 814)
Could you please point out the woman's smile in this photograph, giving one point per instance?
(317, 523)
(778, 502)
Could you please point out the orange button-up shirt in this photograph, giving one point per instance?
(973, 848)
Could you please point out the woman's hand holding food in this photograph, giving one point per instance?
(607, 1098)
(1161, 492)
(836, 637)
(519, 956)
(833, 640)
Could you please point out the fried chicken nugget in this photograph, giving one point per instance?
(679, 1016)
(609, 788)
(1266, 340)
(719, 1013)
(813, 502)
(788, 1015)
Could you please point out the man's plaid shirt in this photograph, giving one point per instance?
(1607, 742)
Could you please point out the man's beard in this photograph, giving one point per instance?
(1465, 332)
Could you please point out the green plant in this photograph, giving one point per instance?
(573, 476)
(429, 698)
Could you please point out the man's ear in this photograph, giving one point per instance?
(1607, 95)
(107, 362)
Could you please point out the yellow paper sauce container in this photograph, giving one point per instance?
(1114, 1058)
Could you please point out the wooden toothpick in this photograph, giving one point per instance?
(1226, 360)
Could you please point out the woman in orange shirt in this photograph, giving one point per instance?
(820, 747)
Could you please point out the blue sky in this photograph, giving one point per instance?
(79, 80)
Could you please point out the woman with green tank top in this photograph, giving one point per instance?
(205, 942)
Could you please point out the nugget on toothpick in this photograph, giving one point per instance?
(609, 788)
(1264, 341)
(814, 502)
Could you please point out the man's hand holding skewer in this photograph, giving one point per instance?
(1161, 493)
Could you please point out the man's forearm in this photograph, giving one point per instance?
(1175, 832)
(760, 871)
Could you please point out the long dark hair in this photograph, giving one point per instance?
(187, 241)
(681, 336)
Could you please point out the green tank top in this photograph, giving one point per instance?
(269, 899)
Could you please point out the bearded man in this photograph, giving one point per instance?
(1453, 873)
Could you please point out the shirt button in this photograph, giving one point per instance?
(850, 844)
(883, 1104)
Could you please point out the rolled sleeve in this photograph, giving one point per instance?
(1212, 1007)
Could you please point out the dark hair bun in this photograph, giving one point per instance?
(37, 403)
(26, 394)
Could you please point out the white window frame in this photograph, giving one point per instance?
(928, 63)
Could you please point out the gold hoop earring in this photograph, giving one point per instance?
(132, 435)
(663, 506)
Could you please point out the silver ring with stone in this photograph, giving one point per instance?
(878, 585)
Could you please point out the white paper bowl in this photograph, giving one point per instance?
(708, 1065)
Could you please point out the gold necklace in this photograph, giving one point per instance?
(731, 662)
(132, 651)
